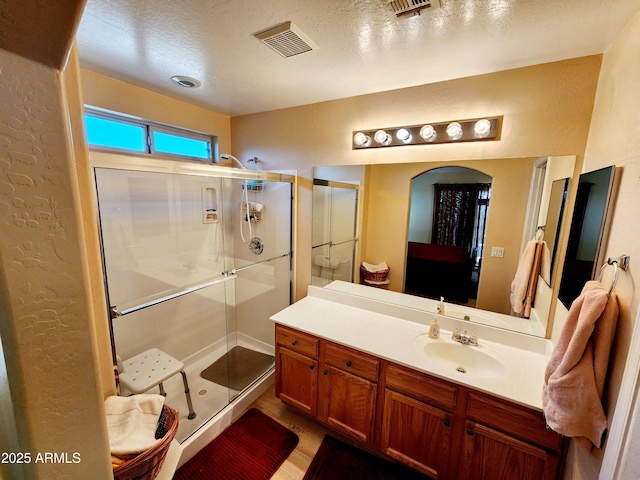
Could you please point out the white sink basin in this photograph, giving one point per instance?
(479, 361)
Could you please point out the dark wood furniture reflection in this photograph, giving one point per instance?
(436, 271)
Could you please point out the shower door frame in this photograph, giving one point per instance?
(165, 165)
(330, 244)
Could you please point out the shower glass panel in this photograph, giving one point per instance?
(334, 236)
(181, 279)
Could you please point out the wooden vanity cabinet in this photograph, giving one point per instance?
(418, 420)
(297, 369)
(348, 391)
(503, 441)
(437, 427)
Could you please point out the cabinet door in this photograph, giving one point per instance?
(297, 380)
(491, 455)
(349, 403)
(417, 434)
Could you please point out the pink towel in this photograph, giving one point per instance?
(520, 283)
(575, 375)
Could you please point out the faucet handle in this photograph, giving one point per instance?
(455, 335)
(473, 339)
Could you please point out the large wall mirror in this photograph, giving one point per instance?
(517, 205)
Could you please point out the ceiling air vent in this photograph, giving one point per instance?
(286, 39)
(407, 7)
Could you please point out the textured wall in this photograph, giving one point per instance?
(45, 322)
(614, 139)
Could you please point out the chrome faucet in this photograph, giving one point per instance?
(464, 337)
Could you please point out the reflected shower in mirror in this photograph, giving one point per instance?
(335, 208)
(589, 225)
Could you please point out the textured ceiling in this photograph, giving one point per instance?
(362, 47)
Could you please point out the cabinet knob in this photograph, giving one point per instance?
(447, 422)
(470, 431)
(294, 343)
(325, 372)
(348, 364)
(311, 367)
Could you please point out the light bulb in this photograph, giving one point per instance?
(454, 131)
(382, 137)
(403, 135)
(482, 128)
(362, 140)
(428, 133)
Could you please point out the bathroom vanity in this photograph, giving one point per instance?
(369, 370)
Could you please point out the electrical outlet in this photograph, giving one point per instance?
(497, 252)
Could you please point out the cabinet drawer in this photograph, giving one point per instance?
(521, 422)
(352, 361)
(297, 341)
(421, 387)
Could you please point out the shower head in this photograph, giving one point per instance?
(228, 156)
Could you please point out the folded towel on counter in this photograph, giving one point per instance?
(132, 423)
(575, 375)
(375, 268)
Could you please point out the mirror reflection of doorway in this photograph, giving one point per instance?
(447, 222)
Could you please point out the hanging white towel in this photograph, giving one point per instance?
(132, 422)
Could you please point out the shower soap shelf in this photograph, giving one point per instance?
(255, 211)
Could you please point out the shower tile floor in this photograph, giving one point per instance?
(208, 398)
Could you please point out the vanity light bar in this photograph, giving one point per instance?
(443, 132)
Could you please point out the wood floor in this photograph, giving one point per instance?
(309, 431)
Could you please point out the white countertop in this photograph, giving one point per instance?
(391, 335)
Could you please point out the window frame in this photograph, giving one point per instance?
(149, 128)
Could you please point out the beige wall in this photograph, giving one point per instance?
(388, 218)
(107, 93)
(546, 111)
(614, 138)
(46, 320)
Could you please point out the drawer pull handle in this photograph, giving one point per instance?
(348, 363)
(447, 422)
(311, 367)
(325, 372)
(294, 343)
(470, 432)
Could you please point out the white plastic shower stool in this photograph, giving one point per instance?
(151, 368)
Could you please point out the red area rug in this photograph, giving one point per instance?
(251, 448)
(335, 460)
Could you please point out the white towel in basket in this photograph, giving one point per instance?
(375, 268)
(132, 422)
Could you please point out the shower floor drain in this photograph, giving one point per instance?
(461, 370)
(203, 392)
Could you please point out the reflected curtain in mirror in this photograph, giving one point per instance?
(459, 217)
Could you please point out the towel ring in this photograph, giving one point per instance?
(622, 262)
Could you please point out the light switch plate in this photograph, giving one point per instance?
(497, 252)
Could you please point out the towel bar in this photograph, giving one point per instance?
(622, 261)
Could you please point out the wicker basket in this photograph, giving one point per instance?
(380, 276)
(146, 466)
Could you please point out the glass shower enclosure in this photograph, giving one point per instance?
(334, 232)
(196, 259)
